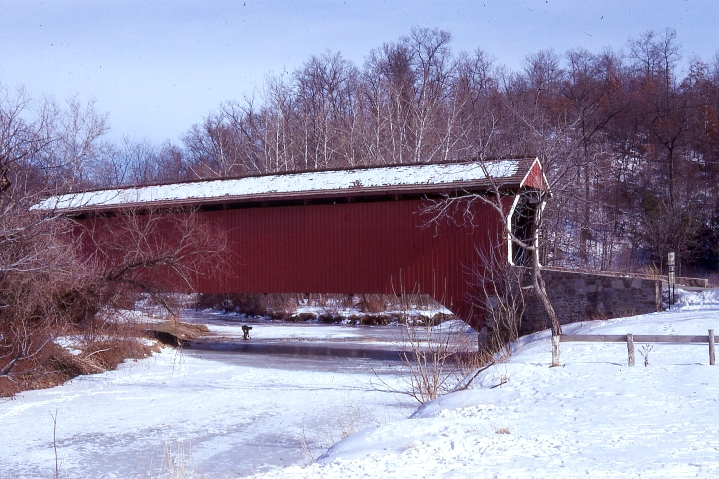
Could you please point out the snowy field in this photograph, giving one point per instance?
(225, 415)
(592, 417)
(229, 415)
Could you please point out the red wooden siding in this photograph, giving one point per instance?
(535, 177)
(364, 247)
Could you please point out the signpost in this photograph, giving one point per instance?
(670, 263)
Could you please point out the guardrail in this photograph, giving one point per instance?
(630, 339)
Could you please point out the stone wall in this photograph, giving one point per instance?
(579, 296)
(691, 282)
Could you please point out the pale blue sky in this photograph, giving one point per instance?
(160, 66)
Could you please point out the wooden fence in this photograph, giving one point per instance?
(630, 339)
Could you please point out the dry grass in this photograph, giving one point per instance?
(57, 365)
(97, 349)
(178, 462)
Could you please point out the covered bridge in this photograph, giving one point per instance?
(349, 231)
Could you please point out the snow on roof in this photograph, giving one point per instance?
(318, 183)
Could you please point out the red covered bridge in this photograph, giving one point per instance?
(341, 231)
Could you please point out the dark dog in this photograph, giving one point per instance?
(246, 331)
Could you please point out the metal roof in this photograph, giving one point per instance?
(433, 178)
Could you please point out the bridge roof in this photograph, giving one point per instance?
(406, 179)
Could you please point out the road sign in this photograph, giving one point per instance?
(670, 263)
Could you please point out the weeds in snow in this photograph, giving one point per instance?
(436, 355)
(58, 462)
(644, 351)
(54, 443)
(344, 423)
(180, 464)
(500, 379)
(307, 453)
(177, 462)
(437, 359)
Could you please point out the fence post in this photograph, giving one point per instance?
(630, 348)
(711, 348)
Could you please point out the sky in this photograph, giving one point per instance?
(158, 67)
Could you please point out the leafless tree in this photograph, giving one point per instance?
(214, 149)
(520, 214)
(49, 282)
(59, 274)
(77, 145)
(38, 271)
(499, 291)
(325, 97)
(153, 251)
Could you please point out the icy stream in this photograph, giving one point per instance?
(222, 414)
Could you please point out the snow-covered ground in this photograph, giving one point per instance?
(234, 415)
(592, 417)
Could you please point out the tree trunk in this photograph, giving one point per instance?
(540, 289)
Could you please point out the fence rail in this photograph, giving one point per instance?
(638, 338)
(630, 339)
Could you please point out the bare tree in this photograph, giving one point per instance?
(520, 213)
(588, 84)
(665, 108)
(153, 251)
(499, 291)
(77, 147)
(50, 283)
(213, 149)
(325, 96)
(38, 273)
(58, 274)
(25, 133)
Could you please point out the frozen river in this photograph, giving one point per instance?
(221, 413)
(297, 339)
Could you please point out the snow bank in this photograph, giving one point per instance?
(593, 417)
(72, 344)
